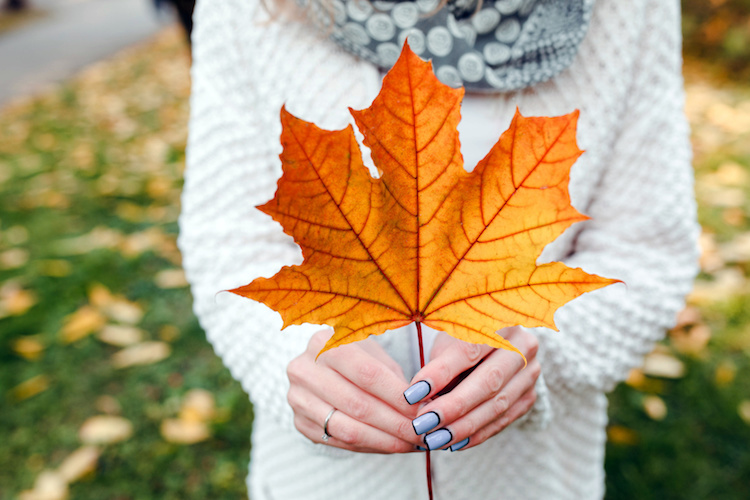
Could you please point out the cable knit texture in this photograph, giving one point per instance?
(635, 181)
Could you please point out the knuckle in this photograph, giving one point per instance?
(471, 427)
(500, 404)
(535, 369)
(405, 430)
(358, 408)
(443, 372)
(495, 379)
(533, 347)
(473, 352)
(531, 398)
(369, 374)
(396, 446)
(347, 434)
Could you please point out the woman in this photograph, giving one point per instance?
(528, 437)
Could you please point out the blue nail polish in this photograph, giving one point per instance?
(438, 439)
(417, 392)
(459, 445)
(421, 449)
(425, 423)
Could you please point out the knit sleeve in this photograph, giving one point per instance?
(643, 227)
(244, 70)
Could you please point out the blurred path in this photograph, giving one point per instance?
(73, 33)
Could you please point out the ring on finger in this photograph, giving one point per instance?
(327, 436)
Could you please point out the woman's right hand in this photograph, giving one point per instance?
(364, 384)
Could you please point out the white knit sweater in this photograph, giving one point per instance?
(635, 181)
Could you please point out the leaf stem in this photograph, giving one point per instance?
(428, 468)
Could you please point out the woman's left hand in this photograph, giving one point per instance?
(495, 394)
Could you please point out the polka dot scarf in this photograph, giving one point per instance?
(505, 45)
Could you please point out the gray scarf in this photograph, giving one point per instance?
(505, 45)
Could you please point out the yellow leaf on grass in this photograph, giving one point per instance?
(81, 462)
(14, 258)
(178, 431)
(171, 278)
(105, 429)
(15, 300)
(49, 485)
(29, 347)
(145, 353)
(81, 323)
(120, 335)
(198, 405)
(743, 409)
(655, 407)
(663, 365)
(31, 387)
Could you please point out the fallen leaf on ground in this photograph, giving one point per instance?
(663, 365)
(120, 335)
(49, 485)
(79, 463)
(15, 300)
(618, 434)
(655, 407)
(81, 323)
(57, 268)
(98, 238)
(31, 387)
(690, 340)
(105, 429)
(14, 258)
(736, 250)
(169, 333)
(727, 283)
(743, 409)
(124, 311)
(725, 373)
(198, 405)
(29, 347)
(171, 278)
(426, 242)
(145, 353)
(178, 431)
(688, 316)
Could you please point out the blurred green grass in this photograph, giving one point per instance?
(90, 176)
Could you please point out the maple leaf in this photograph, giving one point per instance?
(427, 241)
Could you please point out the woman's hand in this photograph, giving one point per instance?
(364, 385)
(496, 393)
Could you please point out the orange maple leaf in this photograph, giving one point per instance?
(427, 241)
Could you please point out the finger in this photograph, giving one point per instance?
(325, 384)
(504, 407)
(348, 433)
(485, 384)
(363, 370)
(519, 409)
(377, 351)
(449, 358)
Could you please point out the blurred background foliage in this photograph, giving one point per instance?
(108, 388)
(719, 31)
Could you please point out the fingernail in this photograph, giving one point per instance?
(425, 423)
(459, 445)
(421, 449)
(438, 439)
(417, 392)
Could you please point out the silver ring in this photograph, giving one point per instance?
(327, 436)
